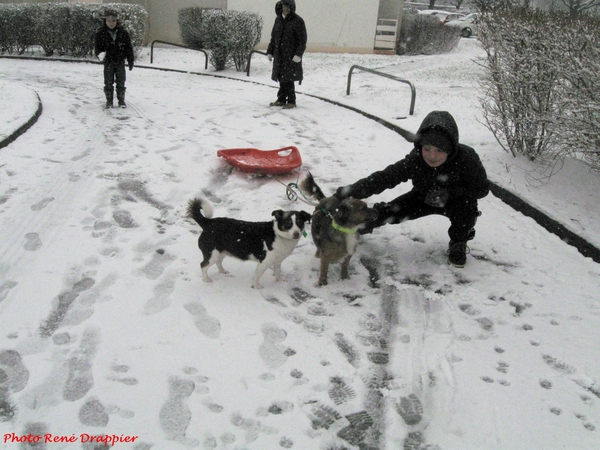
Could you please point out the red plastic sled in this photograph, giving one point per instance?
(272, 162)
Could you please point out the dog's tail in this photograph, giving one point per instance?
(195, 208)
(310, 187)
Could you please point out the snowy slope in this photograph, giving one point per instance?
(108, 329)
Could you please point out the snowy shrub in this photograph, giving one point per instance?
(541, 90)
(576, 55)
(231, 36)
(190, 23)
(423, 35)
(64, 28)
(519, 87)
(16, 24)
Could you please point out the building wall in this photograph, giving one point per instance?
(163, 16)
(332, 25)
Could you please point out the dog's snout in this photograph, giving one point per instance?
(296, 235)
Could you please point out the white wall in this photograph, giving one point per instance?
(333, 25)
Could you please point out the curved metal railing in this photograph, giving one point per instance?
(177, 45)
(386, 75)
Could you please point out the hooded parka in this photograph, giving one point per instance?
(462, 175)
(288, 39)
(118, 49)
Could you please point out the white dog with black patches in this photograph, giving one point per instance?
(268, 243)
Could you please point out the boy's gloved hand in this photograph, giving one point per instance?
(130, 66)
(296, 59)
(270, 57)
(384, 212)
(101, 56)
(437, 198)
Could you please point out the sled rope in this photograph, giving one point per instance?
(294, 193)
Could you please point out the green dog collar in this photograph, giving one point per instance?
(341, 228)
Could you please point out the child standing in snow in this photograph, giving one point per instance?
(113, 47)
(448, 178)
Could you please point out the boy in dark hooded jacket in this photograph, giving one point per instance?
(113, 47)
(448, 178)
(287, 45)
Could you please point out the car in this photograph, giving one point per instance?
(443, 16)
(467, 25)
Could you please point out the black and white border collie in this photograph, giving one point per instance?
(268, 243)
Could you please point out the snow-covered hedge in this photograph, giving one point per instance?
(190, 26)
(541, 89)
(422, 34)
(229, 35)
(64, 28)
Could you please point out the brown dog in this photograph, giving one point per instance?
(335, 226)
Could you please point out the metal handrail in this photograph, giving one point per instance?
(250, 58)
(386, 75)
(177, 45)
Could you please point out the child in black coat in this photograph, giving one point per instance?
(448, 178)
(113, 47)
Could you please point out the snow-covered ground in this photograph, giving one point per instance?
(108, 329)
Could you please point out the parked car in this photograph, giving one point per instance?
(443, 16)
(467, 25)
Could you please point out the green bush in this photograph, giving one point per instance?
(64, 28)
(541, 89)
(231, 36)
(190, 26)
(424, 35)
(16, 25)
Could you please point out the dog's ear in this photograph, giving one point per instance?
(330, 203)
(305, 216)
(277, 214)
(342, 213)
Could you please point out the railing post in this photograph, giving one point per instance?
(177, 45)
(386, 75)
(349, 80)
(250, 58)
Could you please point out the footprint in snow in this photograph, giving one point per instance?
(42, 204)
(63, 305)
(469, 309)
(124, 219)
(80, 379)
(123, 369)
(5, 288)
(355, 433)
(93, 413)
(558, 365)
(410, 409)
(348, 349)
(587, 424)
(156, 266)
(13, 374)
(272, 352)
(35, 429)
(33, 242)
(340, 392)
(175, 415)
(162, 295)
(249, 425)
(206, 323)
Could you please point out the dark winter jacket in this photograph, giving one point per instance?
(288, 39)
(117, 50)
(462, 175)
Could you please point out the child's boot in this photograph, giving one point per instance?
(109, 99)
(121, 99)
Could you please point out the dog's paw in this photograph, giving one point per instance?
(256, 286)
